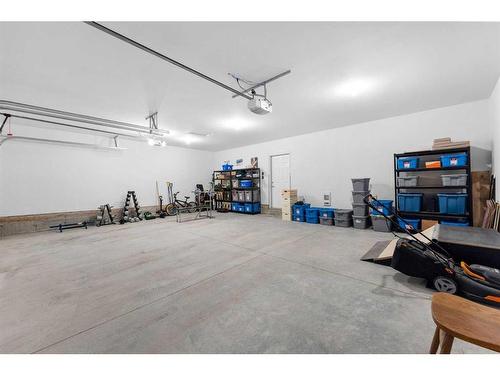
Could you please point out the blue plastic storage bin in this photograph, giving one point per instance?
(410, 202)
(252, 207)
(454, 160)
(299, 218)
(238, 207)
(455, 223)
(300, 209)
(312, 219)
(246, 183)
(227, 167)
(383, 205)
(312, 212)
(411, 224)
(452, 203)
(408, 163)
(326, 213)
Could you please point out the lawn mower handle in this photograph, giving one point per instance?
(370, 198)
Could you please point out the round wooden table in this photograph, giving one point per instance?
(469, 321)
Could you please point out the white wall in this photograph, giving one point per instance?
(326, 160)
(44, 178)
(495, 113)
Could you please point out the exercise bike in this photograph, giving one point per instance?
(420, 256)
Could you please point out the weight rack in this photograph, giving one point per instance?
(126, 209)
(101, 215)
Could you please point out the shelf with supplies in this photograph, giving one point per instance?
(423, 169)
(434, 185)
(431, 215)
(237, 190)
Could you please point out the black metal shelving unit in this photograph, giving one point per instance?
(430, 191)
(227, 188)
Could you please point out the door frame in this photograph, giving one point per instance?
(270, 192)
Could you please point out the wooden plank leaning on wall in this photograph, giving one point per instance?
(487, 208)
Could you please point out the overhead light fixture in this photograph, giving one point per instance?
(237, 123)
(192, 137)
(353, 87)
(188, 139)
(199, 134)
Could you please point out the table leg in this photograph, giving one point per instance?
(435, 342)
(447, 343)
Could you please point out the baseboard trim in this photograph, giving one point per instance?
(19, 224)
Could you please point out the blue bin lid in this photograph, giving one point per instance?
(461, 222)
(383, 201)
(408, 220)
(302, 206)
(410, 195)
(452, 195)
(454, 155)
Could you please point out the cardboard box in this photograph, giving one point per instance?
(287, 193)
(426, 224)
(290, 201)
(286, 216)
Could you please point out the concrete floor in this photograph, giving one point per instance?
(233, 284)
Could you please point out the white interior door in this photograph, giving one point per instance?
(280, 177)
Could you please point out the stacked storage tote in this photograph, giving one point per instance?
(312, 215)
(326, 215)
(379, 222)
(360, 189)
(299, 211)
(343, 218)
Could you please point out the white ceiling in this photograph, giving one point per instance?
(406, 67)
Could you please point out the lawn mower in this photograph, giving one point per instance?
(426, 258)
